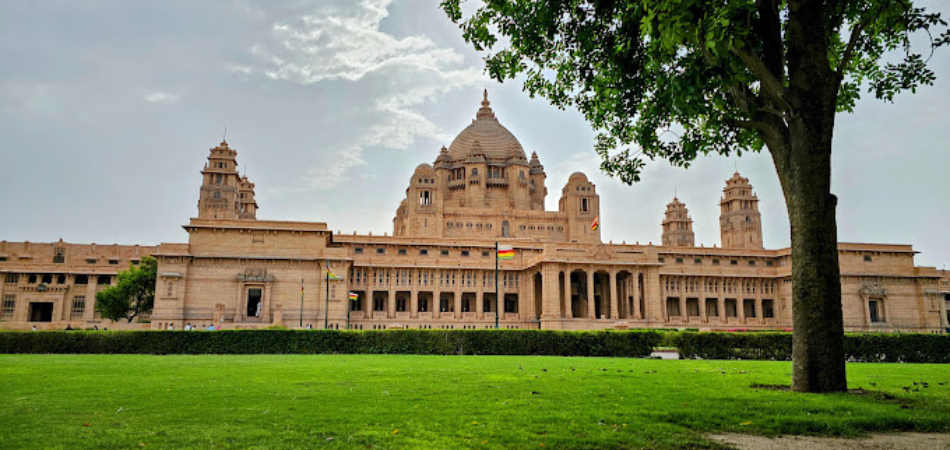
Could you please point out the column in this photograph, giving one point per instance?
(591, 311)
(457, 308)
(90, 313)
(480, 302)
(568, 309)
(702, 307)
(635, 283)
(414, 302)
(684, 314)
(550, 298)
(612, 279)
(758, 309)
(370, 303)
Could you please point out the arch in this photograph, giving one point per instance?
(578, 293)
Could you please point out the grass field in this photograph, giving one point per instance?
(382, 401)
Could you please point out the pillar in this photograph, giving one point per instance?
(612, 279)
(591, 311)
(568, 309)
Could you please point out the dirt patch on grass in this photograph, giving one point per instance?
(890, 441)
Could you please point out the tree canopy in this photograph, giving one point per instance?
(676, 79)
(133, 293)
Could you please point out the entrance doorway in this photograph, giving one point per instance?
(253, 303)
(41, 312)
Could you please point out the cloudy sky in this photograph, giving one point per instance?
(108, 109)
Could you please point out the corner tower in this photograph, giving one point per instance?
(581, 204)
(740, 223)
(224, 194)
(678, 226)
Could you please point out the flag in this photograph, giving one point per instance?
(354, 297)
(331, 276)
(594, 226)
(505, 252)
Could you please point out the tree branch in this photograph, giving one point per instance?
(771, 85)
(853, 41)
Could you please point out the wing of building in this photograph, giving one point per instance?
(438, 268)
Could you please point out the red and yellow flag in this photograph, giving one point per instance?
(506, 252)
(596, 224)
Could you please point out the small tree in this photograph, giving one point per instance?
(132, 295)
(724, 76)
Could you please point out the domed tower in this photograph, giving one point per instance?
(740, 223)
(220, 182)
(580, 201)
(678, 226)
(537, 189)
(420, 213)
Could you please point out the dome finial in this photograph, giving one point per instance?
(485, 111)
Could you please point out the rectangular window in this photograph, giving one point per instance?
(672, 307)
(423, 305)
(485, 254)
(13, 278)
(585, 205)
(731, 308)
(867, 258)
(379, 304)
(81, 279)
(661, 259)
(92, 261)
(402, 251)
(358, 250)
(464, 252)
(734, 262)
(748, 307)
(715, 262)
(769, 263)
(698, 261)
(104, 280)
(768, 309)
(9, 305)
(444, 253)
(79, 306)
(380, 251)
(400, 304)
(679, 260)
(59, 255)
(114, 262)
(751, 262)
(876, 310)
(511, 304)
(712, 307)
(423, 252)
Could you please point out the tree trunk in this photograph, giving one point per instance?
(818, 333)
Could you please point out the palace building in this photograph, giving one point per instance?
(438, 267)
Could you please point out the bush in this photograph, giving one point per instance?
(908, 347)
(420, 342)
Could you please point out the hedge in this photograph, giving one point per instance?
(416, 342)
(906, 347)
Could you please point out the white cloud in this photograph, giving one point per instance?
(161, 97)
(344, 42)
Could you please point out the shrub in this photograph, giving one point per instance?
(775, 346)
(422, 342)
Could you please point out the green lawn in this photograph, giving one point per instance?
(382, 401)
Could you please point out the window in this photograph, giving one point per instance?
(217, 195)
(379, 304)
(9, 305)
(400, 304)
(91, 261)
(217, 179)
(134, 262)
(867, 258)
(769, 263)
(444, 252)
(425, 198)
(423, 305)
(79, 306)
(768, 309)
(715, 262)
(485, 254)
(81, 279)
(423, 252)
(734, 262)
(661, 259)
(13, 278)
(749, 308)
(32, 278)
(47, 279)
(751, 262)
(3, 258)
(61, 279)
(679, 260)
(698, 261)
(464, 252)
(585, 205)
(402, 251)
(504, 229)
(672, 307)
(876, 310)
(114, 262)
(380, 251)
(358, 250)
(511, 303)
(104, 280)
(59, 255)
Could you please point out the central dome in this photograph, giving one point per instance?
(494, 140)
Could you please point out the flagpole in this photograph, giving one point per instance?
(301, 302)
(326, 313)
(496, 285)
(348, 308)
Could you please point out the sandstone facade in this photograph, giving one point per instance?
(438, 268)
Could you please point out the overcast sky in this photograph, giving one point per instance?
(108, 109)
